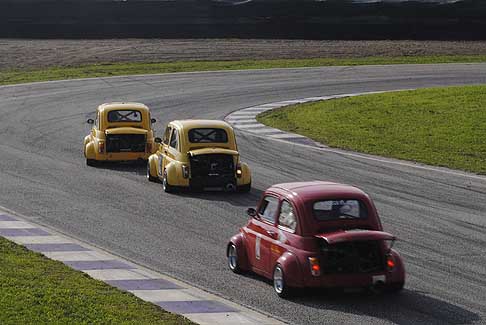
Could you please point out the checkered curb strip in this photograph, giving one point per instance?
(170, 294)
(245, 119)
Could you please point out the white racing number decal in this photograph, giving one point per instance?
(257, 246)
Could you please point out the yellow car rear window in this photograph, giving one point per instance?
(124, 116)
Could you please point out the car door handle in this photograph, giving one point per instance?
(272, 234)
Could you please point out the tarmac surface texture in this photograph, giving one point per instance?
(439, 217)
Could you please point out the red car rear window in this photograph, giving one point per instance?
(339, 209)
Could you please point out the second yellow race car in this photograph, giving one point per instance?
(199, 154)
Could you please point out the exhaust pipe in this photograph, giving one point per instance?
(230, 187)
(378, 287)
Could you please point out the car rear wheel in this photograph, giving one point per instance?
(91, 162)
(394, 287)
(244, 188)
(149, 176)
(279, 285)
(233, 263)
(165, 184)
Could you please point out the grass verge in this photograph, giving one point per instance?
(438, 126)
(117, 69)
(36, 290)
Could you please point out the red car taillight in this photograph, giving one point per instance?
(390, 262)
(314, 266)
(148, 147)
(101, 147)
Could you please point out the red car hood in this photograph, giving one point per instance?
(354, 235)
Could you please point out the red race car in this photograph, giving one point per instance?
(317, 234)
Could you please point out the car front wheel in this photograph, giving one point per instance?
(150, 177)
(233, 259)
(279, 285)
(165, 184)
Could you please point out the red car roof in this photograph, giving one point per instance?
(304, 193)
(319, 190)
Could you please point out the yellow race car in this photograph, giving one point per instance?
(199, 154)
(120, 131)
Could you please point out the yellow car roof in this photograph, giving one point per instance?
(191, 124)
(122, 105)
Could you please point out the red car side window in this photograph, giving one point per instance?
(287, 217)
(268, 208)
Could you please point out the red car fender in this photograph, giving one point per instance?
(398, 273)
(239, 242)
(292, 270)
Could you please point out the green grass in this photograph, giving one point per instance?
(36, 290)
(438, 126)
(117, 69)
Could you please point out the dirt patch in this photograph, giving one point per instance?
(34, 54)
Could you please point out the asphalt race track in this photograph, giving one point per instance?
(440, 217)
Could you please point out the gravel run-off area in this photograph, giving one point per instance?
(18, 54)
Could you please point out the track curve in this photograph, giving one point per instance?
(441, 220)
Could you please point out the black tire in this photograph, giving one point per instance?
(91, 162)
(394, 287)
(232, 256)
(165, 184)
(150, 177)
(196, 189)
(244, 188)
(279, 285)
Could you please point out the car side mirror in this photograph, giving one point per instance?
(90, 121)
(152, 120)
(251, 212)
(158, 140)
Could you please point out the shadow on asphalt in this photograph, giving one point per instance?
(138, 167)
(406, 307)
(238, 199)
